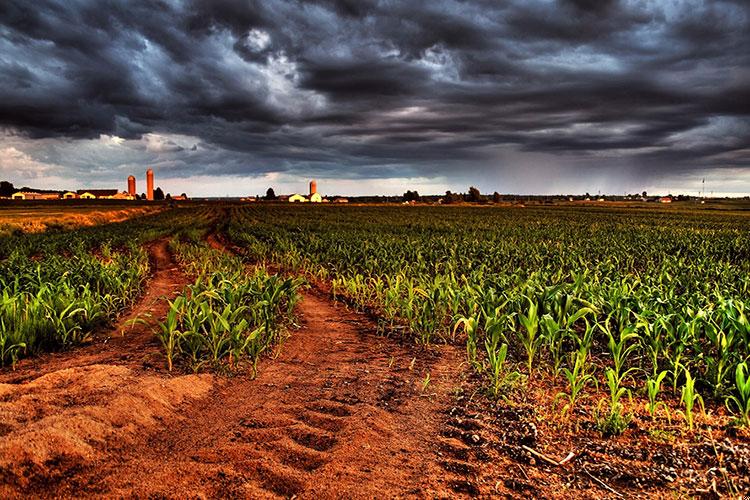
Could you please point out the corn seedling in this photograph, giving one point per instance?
(426, 382)
(689, 399)
(528, 337)
(739, 402)
(653, 387)
(577, 378)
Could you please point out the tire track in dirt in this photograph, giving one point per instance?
(340, 413)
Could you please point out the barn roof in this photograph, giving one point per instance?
(99, 192)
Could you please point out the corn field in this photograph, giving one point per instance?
(56, 288)
(618, 304)
(629, 301)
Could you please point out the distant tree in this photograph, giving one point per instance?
(6, 189)
(143, 196)
(184, 196)
(168, 197)
(496, 197)
(644, 194)
(270, 195)
(411, 196)
(158, 194)
(474, 195)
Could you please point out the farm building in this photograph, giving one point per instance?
(665, 199)
(70, 195)
(299, 198)
(103, 194)
(31, 195)
(314, 196)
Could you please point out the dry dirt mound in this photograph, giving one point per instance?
(64, 420)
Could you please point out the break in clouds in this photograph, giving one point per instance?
(228, 97)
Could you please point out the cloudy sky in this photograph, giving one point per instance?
(229, 97)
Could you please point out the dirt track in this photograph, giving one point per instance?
(340, 413)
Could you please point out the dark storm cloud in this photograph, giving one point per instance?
(385, 88)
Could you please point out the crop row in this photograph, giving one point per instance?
(228, 314)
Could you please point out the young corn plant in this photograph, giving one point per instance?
(529, 336)
(739, 402)
(496, 361)
(556, 328)
(689, 398)
(653, 387)
(621, 346)
(577, 378)
(553, 335)
(426, 382)
(500, 379)
(720, 357)
(470, 326)
(8, 349)
(168, 332)
(614, 421)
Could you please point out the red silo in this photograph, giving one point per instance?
(131, 185)
(150, 185)
(313, 187)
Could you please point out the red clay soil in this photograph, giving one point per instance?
(340, 413)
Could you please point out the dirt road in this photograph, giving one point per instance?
(340, 413)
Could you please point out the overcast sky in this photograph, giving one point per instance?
(224, 97)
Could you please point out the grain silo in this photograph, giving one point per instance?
(131, 185)
(150, 185)
(313, 187)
